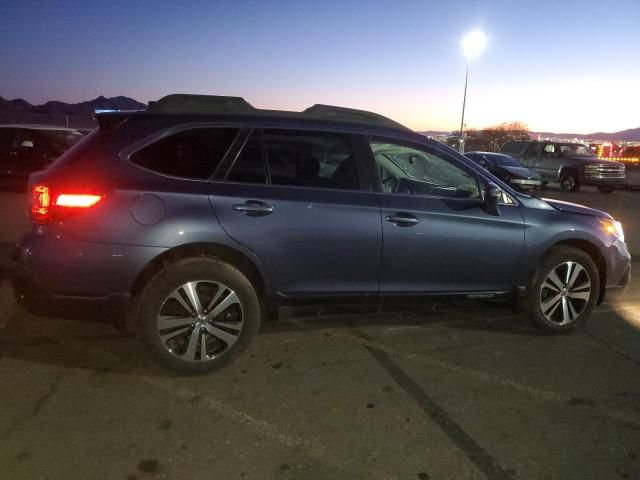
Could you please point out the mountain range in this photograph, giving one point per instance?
(19, 106)
(629, 135)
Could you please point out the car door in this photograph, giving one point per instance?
(300, 201)
(436, 236)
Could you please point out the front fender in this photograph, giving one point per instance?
(546, 228)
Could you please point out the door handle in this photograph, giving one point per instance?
(402, 219)
(253, 208)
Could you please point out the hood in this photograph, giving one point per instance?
(520, 172)
(575, 208)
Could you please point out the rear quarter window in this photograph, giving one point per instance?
(193, 153)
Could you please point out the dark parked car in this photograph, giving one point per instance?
(507, 169)
(571, 164)
(25, 149)
(194, 220)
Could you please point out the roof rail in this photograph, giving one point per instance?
(185, 103)
(329, 112)
(214, 104)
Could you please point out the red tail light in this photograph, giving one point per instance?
(77, 200)
(40, 203)
(45, 203)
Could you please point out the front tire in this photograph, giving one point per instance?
(564, 290)
(570, 182)
(197, 314)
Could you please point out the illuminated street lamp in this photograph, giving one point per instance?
(472, 44)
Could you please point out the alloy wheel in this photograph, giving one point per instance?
(565, 293)
(200, 320)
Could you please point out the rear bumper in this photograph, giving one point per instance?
(38, 300)
(56, 275)
(70, 267)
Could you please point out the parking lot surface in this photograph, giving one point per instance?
(445, 391)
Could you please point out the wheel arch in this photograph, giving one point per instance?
(569, 169)
(238, 259)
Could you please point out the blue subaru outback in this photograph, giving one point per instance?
(192, 221)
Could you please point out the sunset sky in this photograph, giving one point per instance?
(563, 66)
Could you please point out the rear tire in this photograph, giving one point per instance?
(564, 290)
(197, 315)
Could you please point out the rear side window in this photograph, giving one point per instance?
(297, 158)
(249, 166)
(189, 154)
(311, 159)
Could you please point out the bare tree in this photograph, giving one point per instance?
(492, 138)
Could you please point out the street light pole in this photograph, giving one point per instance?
(473, 43)
(464, 102)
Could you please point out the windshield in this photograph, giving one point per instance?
(504, 161)
(576, 150)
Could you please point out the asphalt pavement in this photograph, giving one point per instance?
(464, 390)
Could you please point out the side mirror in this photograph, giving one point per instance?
(27, 144)
(492, 195)
(483, 163)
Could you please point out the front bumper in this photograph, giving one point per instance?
(601, 180)
(618, 263)
(525, 183)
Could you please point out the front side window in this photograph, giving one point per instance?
(413, 171)
(191, 153)
(549, 150)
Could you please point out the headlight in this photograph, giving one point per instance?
(614, 228)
